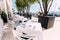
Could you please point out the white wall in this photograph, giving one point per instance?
(1, 4)
(9, 2)
(6, 5)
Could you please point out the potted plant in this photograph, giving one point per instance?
(4, 17)
(45, 20)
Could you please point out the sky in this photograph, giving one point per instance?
(13, 5)
(35, 8)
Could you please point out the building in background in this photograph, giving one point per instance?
(6, 5)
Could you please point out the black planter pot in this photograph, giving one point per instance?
(46, 22)
(4, 17)
(5, 20)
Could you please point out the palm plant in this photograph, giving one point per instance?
(24, 4)
(45, 6)
(19, 5)
(46, 22)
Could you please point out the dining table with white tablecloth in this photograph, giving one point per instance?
(31, 29)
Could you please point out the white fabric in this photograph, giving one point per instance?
(34, 19)
(1, 28)
(19, 30)
(31, 25)
(34, 26)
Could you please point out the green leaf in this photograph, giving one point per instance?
(21, 4)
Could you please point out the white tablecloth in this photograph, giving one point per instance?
(34, 26)
(37, 32)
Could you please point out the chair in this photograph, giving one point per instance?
(1, 29)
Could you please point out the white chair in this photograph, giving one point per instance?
(1, 29)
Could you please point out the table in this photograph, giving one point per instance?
(37, 34)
